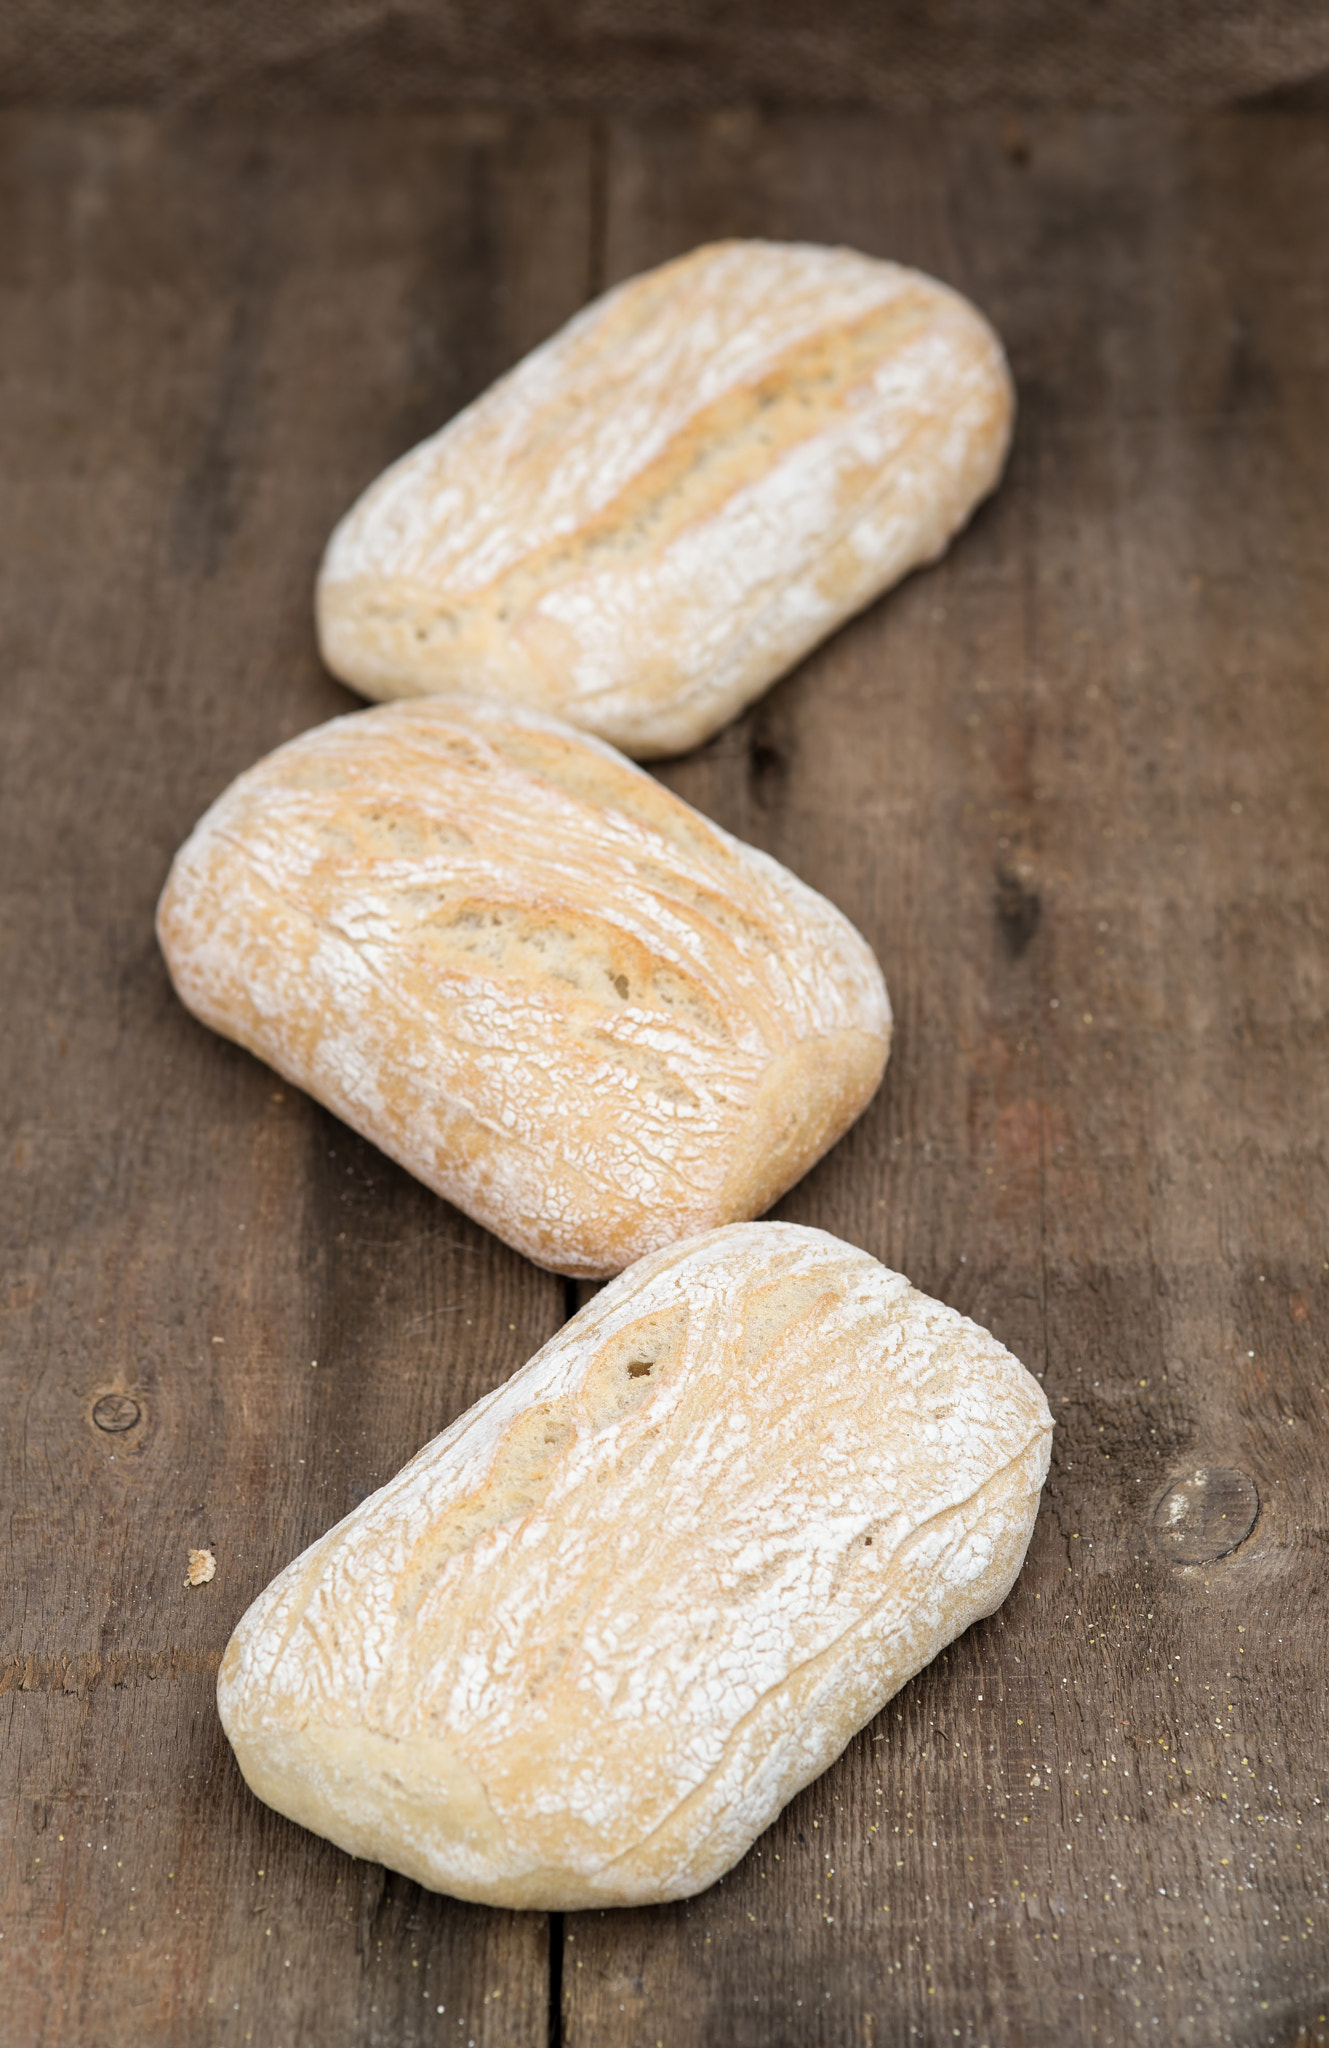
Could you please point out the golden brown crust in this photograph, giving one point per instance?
(534, 976)
(677, 496)
(586, 1645)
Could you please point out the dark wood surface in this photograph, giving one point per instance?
(1073, 784)
(644, 56)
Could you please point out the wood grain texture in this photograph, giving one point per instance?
(213, 339)
(1072, 786)
(641, 56)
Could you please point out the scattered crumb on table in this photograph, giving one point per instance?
(202, 1567)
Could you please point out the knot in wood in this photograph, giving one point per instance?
(1206, 1514)
(115, 1412)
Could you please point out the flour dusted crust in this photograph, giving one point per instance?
(586, 1645)
(536, 978)
(664, 507)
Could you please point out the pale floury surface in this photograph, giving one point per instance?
(665, 506)
(586, 1645)
(543, 983)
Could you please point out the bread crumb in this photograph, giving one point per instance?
(202, 1567)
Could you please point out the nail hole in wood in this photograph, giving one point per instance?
(116, 1412)
(1018, 910)
(767, 770)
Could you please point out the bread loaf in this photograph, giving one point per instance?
(585, 1646)
(670, 502)
(536, 978)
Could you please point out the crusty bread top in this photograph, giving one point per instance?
(614, 430)
(677, 494)
(635, 1597)
(549, 987)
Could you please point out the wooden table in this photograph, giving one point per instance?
(1071, 783)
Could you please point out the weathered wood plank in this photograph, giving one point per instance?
(214, 335)
(1072, 784)
(677, 55)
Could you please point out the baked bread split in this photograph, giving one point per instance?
(586, 1645)
(539, 980)
(665, 506)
